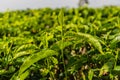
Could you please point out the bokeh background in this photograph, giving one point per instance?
(24, 4)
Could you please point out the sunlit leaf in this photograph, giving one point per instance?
(91, 39)
(22, 53)
(34, 58)
(117, 68)
(90, 74)
(107, 67)
(115, 41)
(60, 17)
(24, 75)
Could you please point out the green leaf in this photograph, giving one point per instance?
(57, 46)
(26, 47)
(107, 67)
(24, 75)
(44, 72)
(36, 57)
(54, 60)
(3, 71)
(22, 53)
(65, 44)
(115, 41)
(92, 40)
(117, 68)
(24, 50)
(14, 76)
(60, 17)
(90, 74)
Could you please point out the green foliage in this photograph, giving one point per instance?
(90, 74)
(34, 58)
(60, 44)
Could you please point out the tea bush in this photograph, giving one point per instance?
(60, 44)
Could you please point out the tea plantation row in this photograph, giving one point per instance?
(60, 44)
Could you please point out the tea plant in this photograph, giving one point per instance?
(60, 44)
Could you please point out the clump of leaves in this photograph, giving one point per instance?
(77, 43)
